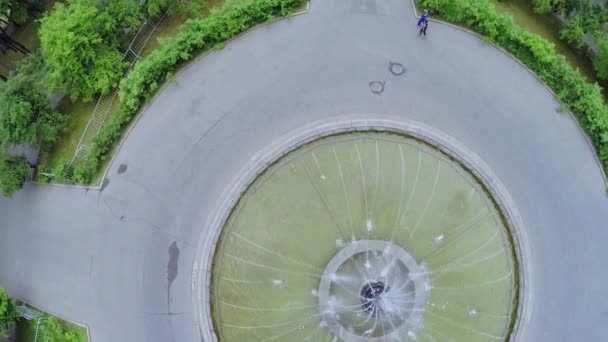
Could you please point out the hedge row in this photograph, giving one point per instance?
(584, 99)
(150, 73)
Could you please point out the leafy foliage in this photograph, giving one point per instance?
(583, 98)
(600, 61)
(53, 330)
(178, 7)
(564, 7)
(8, 314)
(147, 76)
(79, 41)
(543, 6)
(573, 31)
(128, 13)
(14, 172)
(26, 115)
(20, 10)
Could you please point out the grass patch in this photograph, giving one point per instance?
(79, 115)
(51, 329)
(26, 330)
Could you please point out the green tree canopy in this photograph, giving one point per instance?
(7, 313)
(25, 115)
(14, 172)
(178, 7)
(568, 7)
(19, 11)
(80, 44)
(600, 61)
(573, 31)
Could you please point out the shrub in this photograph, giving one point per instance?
(14, 172)
(178, 7)
(148, 74)
(20, 11)
(542, 6)
(583, 98)
(600, 60)
(44, 173)
(26, 116)
(8, 314)
(573, 31)
(80, 44)
(54, 330)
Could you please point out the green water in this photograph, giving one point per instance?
(366, 186)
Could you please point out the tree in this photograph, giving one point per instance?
(14, 172)
(79, 42)
(19, 11)
(178, 7)
(26, 116)
(573, 31)
(600, 60)
(543, 6)
(8, 314)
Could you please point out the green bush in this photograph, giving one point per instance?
(177, 7)
(150, 73)
(14, 172)
(584, 99)
(573, 31)
(43, 174)
(600, 60)
(8, 314)
(26, 116)
(542, 6)
(55, 330)
(80, 42)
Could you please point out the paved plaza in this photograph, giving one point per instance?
(121, 259)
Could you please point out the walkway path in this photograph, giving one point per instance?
(121, 259)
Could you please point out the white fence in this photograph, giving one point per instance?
(105, 101)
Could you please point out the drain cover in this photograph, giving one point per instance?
(376, 87)
(396, 69)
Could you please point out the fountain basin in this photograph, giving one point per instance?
(283, 252)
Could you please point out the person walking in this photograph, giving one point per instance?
(423, 23)
(423, 28)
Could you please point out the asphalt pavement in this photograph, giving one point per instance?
(121, 259)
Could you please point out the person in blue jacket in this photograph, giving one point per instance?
(423, 23)
(423, 18)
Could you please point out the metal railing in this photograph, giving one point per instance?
(105, 101)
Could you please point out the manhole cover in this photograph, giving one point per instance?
(396, 69)
(376, 87)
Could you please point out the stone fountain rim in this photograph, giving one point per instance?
(203, 265)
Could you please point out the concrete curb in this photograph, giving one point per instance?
(261, 160)
(571, 115)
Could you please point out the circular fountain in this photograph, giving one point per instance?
(365, 236)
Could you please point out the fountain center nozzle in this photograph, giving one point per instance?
(370, 295)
